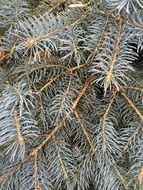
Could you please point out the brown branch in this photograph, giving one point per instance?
(115, 167)
(84, 130)
(57, 127)
(116, 17)
(49, 83)
(50, 135)
(17, 125)
(82, 91)
(133, 106)
(99, 43)
(48, 66)
(66, 94)
(136, 25)
(110, 75)
(134, 88)
(132, 137)
(60, 158)
(136, 131)
(2, 53)
(35, 151)
(68, 70)
(140, 177)
(103, 121)
(37, 183)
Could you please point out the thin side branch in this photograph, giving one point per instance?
(17, 125)
(60, 158)
(133, 106)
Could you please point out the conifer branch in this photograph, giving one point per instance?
(71, 95)
(133, 107)
(60, 158)
(77, 115)
(132, 137)
(104, 119)
(100, 40)
(140, 178)
(17, 124)
(36, 178)
(48, 136)
(82, 91)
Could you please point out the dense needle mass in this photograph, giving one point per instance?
(71, 95)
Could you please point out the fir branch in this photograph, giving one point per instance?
(141, 176)
(71, 96)
(133, 107)
(60, 159)
(92, 149)
(36, 178)
(48, 137)
(17, 124)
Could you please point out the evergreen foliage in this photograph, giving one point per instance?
(71, 95)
